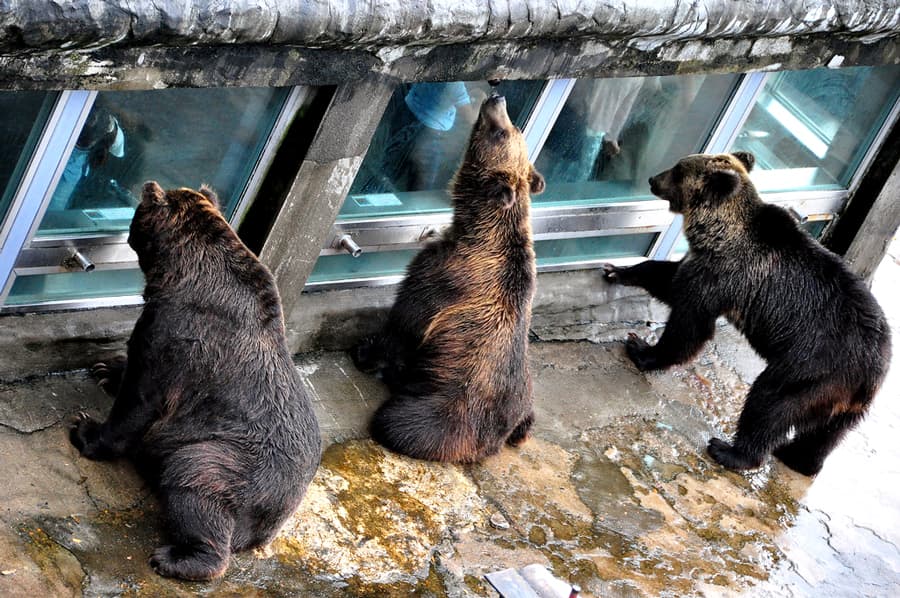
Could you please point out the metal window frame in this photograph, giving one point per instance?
(109, 251)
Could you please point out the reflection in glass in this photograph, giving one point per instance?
(419, 144)
(23, 115)
(810, 129)
(179, 137)
(44, 288)
(613, 134)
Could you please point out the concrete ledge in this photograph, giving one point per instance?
(90, 24)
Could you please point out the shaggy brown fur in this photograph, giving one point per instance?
(453, 351)
(824, 338)
(208, 402)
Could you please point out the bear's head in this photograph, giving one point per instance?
(496, 161)
(704, 181)
(172, 222)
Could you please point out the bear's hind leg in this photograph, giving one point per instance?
(520, 432)
(767, 417)
(806, 453)
(201, 533)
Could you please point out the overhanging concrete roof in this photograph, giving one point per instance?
(47, 44)
(84, 24)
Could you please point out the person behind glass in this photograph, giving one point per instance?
(436, 149)
(100, 138)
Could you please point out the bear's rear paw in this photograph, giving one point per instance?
(641, 353)
(727, 456)
(109, 374)
(803, 464)
(84, 434)
(521, 432)
(187, 563)
(365, 355)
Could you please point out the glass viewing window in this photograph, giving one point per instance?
(613, 134)
(811, 129)
(23, 115)
(179, 137)
(419, 144)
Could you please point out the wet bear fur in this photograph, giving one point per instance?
(824, 338)
(208, 402)
(453, 352)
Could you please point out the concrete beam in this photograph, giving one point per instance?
(144, 44)
(880, 225)
(322, 182)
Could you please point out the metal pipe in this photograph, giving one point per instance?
(82, 260)
(346, 242)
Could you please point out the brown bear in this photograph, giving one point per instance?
(208, 402)
(453, 352)
(824, 338)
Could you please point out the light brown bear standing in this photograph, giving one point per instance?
(824, 338)
(453, 351)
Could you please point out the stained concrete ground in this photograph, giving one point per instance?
(613, 492)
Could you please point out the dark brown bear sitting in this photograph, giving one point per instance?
(208, 403)
(824, 338)
(453, 351)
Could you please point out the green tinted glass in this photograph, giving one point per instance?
(613, 134)
(67, 286)
(810, 129)
(554, 252)
(419, 144)
(334, 268)
(23, 115)
(179, 137)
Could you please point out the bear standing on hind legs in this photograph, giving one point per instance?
(453, 352)
(824, 338)
(208, 402)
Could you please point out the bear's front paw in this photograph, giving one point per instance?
(640, 352)
(728, 456)
(611, 274)
(84, 434)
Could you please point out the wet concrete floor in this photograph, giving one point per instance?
(613, 493)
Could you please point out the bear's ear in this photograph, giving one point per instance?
(722, 183)
(745, 158)
(538, 184)
(153, 193)
(508, 196)
(209, 194)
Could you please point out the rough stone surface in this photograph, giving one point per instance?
(613, 492)
(146, 44)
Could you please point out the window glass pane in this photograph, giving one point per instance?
(179, 137)
(419, 144)
(23, 115)
(555, 252)
(613, 134)
(810, 129)
(42, 288)
(331, 268)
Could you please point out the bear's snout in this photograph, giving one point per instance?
(654, 185)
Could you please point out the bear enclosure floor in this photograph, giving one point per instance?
(613, 492)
